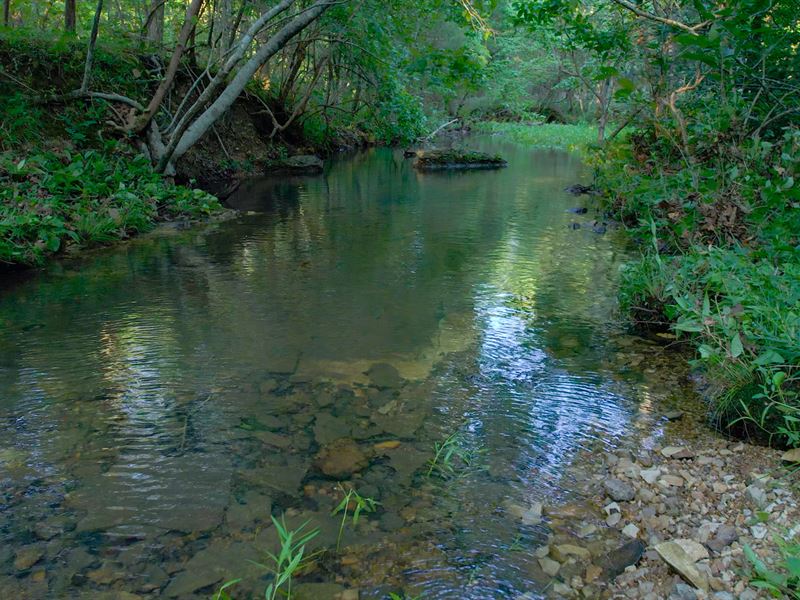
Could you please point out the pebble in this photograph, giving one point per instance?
(631, 530)
(619, 491)
(650, 475)
(549, 566)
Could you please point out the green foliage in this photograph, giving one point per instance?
(289, 559)
(782, 580)
(222, 592)
(724, 268)
(360, 504)
(451, 457)
(544, 135)
(50, 200)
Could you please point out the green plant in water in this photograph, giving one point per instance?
(362, 504)
(447, 454)
(222, 593)
(396, 596)
(289, 559)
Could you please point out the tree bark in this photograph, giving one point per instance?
(69, 15)
(154, 25)
(226, 22)
(158, 97)
(87, 69)
(183, 140)
(6, 12)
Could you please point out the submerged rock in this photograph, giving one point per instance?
(302, 164)
(318, 591)
(578, 189)
(213, 564)
(25, 558)
(384, 375)
(438, 160)
(618, 490)
(341, 459)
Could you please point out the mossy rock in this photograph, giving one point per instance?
(438, 160)
(303, 164)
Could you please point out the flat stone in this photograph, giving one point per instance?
(681, 591)
(26, 557)
(272, 439)
(619, 491)
(694, 550)
(549, 566)
(283, 478)
(218, 561)
(630, 530)
(317, 591)
(759, 531)
(792, 455)
(757, 495)
(106, 574)
(188, 493)
(254, 507)
(724, 537)
(341, 459)
(406, 461)
(676, 557)
(562, 551)
(679, 452)
(650, 475)
(531, 515)
(301, 164)
(328, 428)
(671, 481)
(615, 562)
(384, 375)
(673, 415)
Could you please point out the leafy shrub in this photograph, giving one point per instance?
(544, 135)
(723, 267)
(90, 197)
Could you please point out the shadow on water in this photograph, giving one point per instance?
(161, 400)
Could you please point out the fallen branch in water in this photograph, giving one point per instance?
(438, 129)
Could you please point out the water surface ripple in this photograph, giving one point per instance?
(160, 400)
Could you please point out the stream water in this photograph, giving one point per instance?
(159, 401)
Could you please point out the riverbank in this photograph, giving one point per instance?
(562, 136)
(69, 176)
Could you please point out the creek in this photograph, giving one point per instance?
(161, 399)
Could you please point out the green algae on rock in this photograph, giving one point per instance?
(438, 160)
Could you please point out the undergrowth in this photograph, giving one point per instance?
(59, 198)
(543, 135)
(65, 180)
(721, 267)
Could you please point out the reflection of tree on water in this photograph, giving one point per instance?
(277, 195)
(169, 341)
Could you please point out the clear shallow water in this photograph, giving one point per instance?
(158, 401)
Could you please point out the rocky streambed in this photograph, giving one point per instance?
(682, 515)
(445, 346)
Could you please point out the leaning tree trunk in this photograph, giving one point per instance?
(154, 25)
(69, 15)
(182, 141)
